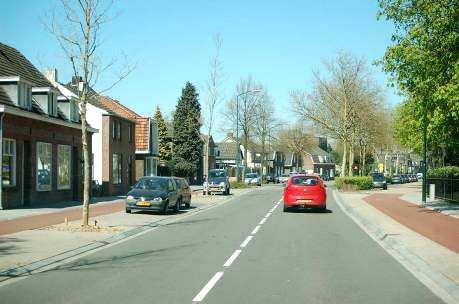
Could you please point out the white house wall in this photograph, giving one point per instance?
(94, 118)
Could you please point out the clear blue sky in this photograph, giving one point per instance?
(276, 42)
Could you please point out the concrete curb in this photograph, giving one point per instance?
(439, 284)
(54, 261)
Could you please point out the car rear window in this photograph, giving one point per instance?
(305, 180)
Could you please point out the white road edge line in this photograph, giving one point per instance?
(262, 221)
(231, 259)
(246, 241)
(205, 290)
(255, 230)
(267, 214)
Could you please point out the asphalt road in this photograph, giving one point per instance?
(304, 257)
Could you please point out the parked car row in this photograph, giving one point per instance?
(158, 193)
(404, 178)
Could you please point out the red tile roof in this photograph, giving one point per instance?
(142, 124)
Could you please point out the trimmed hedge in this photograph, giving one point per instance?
(354, 182)
(449, 171)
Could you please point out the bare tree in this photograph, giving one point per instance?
(240, 111)
(214, 97)
(295, 138)
(77, 27)
(265, 123)
(335, 101)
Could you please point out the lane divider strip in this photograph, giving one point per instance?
(233, 257)
(255, 230)
(246, 241)
(205, 290)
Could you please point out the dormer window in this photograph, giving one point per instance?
(52, 104)
(24, 95)
(74, 112)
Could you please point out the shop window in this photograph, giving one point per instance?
(151, 164)
(64, 158)
(44, 165)
(9, 162)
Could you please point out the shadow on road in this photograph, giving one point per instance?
(312, 210)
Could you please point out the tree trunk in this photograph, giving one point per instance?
(86, 164)
(364, 161)
(343, 163)
(206, 163)
(351, 159)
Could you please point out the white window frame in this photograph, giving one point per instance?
(50, 148)
(9, 149)
(69, 151)
(24, 95)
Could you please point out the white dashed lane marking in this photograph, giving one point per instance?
(205, 290)
(232, 258)
(255, 230)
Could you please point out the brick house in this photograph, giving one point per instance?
(113, 147)
(145, 144)
(202, 171)
(40, 137)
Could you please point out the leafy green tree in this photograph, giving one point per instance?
(164, 141)
(423, 62)
(187, 141)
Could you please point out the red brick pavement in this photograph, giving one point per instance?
(54, 218)
(436, 226)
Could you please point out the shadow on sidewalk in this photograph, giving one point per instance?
(8, 245)
(61, 205)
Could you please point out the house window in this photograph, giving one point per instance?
(44, 157)
(130, 133)
(9, 162)
(114, 130)
(151, 164)
(74, 112)
(24, 96)
(118, 131)
(52, 104)
(64, 157)
(116, 173)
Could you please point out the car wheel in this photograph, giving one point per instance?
(177, 205)
(128, 210)
(187, 205)
(228, 191)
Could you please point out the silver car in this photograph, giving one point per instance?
(252, 179)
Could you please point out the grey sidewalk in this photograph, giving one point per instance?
(432, 263)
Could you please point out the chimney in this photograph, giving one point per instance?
(51, 75)
(76, 80)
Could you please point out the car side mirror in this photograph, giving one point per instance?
(325, 186)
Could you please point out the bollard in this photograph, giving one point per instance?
(432, 192)
(66, 221)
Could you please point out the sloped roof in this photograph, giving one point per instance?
(227, 150)
(13, 64)
(142, 124)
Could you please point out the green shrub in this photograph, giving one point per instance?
(389, 179)
(449, 171)
(355, 182)
(238, 185)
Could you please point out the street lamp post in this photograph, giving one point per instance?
(237, 130)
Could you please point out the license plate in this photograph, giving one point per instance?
(144, 204)
(304, 201)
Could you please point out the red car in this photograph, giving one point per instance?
(305, 191)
